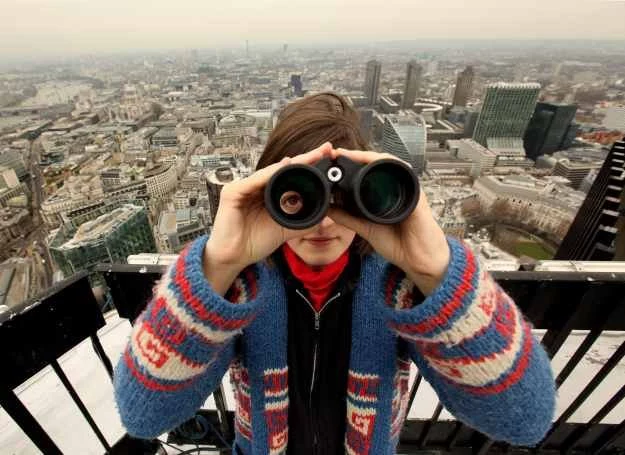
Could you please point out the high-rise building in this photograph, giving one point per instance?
(412, 84)
(296, 84)
(109, 238)
(372, 81)
(548, 128)
(596, 233)
(406, 137)
(388, 106)
(464, 86)
(570, 135)
(506, 110)
(366, 123)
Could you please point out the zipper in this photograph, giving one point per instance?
(316, 348)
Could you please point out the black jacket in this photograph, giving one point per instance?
(318, 360)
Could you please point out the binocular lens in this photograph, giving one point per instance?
(382, 193)
(297, 195)
(387, 191)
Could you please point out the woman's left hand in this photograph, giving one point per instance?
(417, 245)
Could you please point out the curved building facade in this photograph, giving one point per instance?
(160, 180)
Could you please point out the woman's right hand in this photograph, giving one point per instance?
(243, 231)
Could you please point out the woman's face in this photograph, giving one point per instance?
(323, 245)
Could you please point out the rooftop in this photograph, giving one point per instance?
(101, 226)
(514, 85)
(160, 168)
(167, 222)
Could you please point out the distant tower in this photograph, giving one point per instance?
(412, 84)
(506, 111)
(296, 84)
(247, 48)
(406, 138)
(464, 86)
(598, 230)
(285, 47)
(548, 129)
(372, 81)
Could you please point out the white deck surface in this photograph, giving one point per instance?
(53, 408)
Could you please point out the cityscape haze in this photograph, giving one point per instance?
(121, 122)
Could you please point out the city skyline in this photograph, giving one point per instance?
(72, 27)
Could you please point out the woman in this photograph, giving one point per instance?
(319, 326)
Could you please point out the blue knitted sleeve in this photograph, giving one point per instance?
(474, 346)
(181, 345)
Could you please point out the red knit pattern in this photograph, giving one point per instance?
(196, 304)
(447, 311)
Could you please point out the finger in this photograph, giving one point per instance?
(324, 150)
(358, 225)
(259, 179)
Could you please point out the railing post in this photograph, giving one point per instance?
(68, 386)
(99, 350)
(25, 420)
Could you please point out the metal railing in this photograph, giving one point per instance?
(556, 301)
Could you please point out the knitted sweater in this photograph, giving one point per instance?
(468, 340)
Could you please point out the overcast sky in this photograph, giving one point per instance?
(57, 27)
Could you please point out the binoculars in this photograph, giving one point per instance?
(385, 191)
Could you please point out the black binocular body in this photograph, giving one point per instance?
(385, 191)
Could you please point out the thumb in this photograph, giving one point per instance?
(360, 226)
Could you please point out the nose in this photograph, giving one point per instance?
(326, 223)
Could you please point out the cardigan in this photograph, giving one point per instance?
(318, 350)
(467, 338)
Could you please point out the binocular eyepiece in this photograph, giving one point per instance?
(385, 191)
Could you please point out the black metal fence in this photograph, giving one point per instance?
(37, 333)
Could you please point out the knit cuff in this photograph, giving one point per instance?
(201, 304)
(447, 315)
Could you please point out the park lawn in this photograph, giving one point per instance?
(533, 250)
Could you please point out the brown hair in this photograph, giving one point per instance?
(305, 124)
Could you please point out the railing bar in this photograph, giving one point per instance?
(68, 386)
(220, 404)
(25, 420)
(553, 340)
(556, 337)
(104, 358)
(608, 437)
(425, 433)
(413, 392)
(579, 432)
(453, 437)
(579, 354)
(593, 335)
(588, 390)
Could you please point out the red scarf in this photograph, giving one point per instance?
(318, 281)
